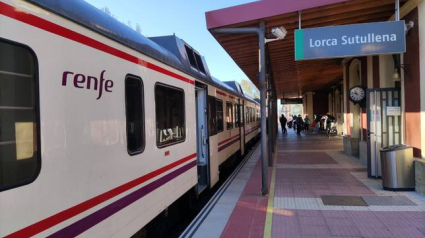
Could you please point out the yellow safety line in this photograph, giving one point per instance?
(270, 204)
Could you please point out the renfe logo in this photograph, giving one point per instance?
(82, 81)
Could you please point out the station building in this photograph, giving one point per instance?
(393, 111)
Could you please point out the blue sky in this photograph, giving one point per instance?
(185, 18)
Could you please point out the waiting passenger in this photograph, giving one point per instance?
(283, 121)
(300, 123)
(306, 123)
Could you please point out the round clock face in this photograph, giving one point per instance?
(357, 94)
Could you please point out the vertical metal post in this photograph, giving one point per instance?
(397, 10)
(269, 121)
(299, 20)
(273, 124)
(262, 79)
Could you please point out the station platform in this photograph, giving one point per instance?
(315, 190)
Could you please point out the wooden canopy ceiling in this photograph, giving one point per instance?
(295, 78)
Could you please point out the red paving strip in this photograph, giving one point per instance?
(312, 223)
(249, 215)
(304, 158)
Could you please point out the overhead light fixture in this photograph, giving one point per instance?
(279, 32)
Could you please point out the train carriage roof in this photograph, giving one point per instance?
(90, 17)
(169, 50)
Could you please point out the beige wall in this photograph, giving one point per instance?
(369, 72)
(355, 110)
(344, 106)
(386, 71)
(309, 109)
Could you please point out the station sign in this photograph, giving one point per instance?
(350, 40)
(286, 101)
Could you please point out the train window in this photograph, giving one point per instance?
(134, 114)
(190, 54)
(247, 115)
(19, 122)
(252, 115)
(237, 115)
(229, 115)
(195, 59)
(200, 63)
(170, 115)
(219, 111)
(212, 120)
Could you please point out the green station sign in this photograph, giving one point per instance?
(350, 40)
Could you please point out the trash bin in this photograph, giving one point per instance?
(397, 168)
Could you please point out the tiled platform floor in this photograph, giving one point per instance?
(306, 168)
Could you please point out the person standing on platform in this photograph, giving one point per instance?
(306, 123)
(294, 122)
(283, 122)
(300, 123)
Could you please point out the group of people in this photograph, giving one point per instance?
(320, 123)
(297, 122)
(326, 123)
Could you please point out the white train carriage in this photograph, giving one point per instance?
(252, 119)
(101, 128)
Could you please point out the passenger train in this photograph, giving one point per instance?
(101, 129)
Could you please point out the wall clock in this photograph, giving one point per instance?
(357, 94)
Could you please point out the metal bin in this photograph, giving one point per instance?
(397, 168)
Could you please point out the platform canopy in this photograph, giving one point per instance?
(292, 78)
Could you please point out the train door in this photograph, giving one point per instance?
(202, 137)
(383, 124)
(241, 113)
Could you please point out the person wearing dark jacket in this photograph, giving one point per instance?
(300, 124)
(306, 123)
(283, 122)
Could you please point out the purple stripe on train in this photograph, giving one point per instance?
(91, 220)
(228, 144)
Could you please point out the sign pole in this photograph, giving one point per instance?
(397, 10)
(299, 20)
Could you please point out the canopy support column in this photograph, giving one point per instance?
(270, 131)
(262, 78)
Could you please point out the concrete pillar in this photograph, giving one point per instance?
(386, 71)
(344, 93)
(308, 104)
(369, 72)
(421, 10)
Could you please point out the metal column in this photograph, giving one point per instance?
(270, 121)
(262, 77)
